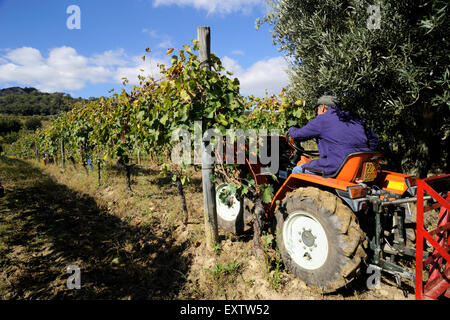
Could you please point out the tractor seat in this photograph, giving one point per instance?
(353, 165)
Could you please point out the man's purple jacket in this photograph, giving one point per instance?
(338, 134)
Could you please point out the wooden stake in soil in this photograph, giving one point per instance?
(62, 153)
(98, 171)
(38, 156)
(83, 158)
(128, 176)
(85, 166)
(209, 192)
(183, 199)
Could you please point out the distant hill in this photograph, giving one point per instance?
(16, 90)
(30, 101)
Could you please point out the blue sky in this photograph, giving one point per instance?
(38, 49)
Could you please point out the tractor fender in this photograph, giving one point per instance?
(301, 180)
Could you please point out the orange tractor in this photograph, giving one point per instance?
(327, 226)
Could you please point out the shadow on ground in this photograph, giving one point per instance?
(45, 227)
(359, 286)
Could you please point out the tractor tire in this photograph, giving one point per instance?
(233, 216)
(319, 238)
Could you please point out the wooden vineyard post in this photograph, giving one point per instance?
(209, 192)
(38, 157)
(98, 171)
(62, 154)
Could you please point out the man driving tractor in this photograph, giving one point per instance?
(338, 134)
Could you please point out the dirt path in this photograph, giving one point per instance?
(131, 246)
(45, 227)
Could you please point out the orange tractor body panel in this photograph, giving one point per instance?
(392, 181)
(354, 169)
(297, 180)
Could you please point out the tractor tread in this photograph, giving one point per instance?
(350, 252)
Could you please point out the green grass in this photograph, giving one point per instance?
(273, 262)
(224, 275)
(229, 269)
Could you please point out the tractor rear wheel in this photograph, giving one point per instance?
(319, 238)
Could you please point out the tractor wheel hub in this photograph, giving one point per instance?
(305, 240)
(308, 238)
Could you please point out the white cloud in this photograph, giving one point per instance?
(64, 69)
(149, 67)
(267, 74)
(214, 6)
(165, 41)
(238, 52)
(110, 58)
(151, 33)
(25, 56)
(232, 65)
(165, 44)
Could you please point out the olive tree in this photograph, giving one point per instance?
(388, 61)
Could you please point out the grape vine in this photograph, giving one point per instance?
(143, 120)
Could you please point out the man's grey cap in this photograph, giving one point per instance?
(328, 100)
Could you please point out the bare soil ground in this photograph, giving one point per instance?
(133, 245)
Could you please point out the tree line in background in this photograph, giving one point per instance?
(30, 101)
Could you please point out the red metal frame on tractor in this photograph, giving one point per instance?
(439, 279)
